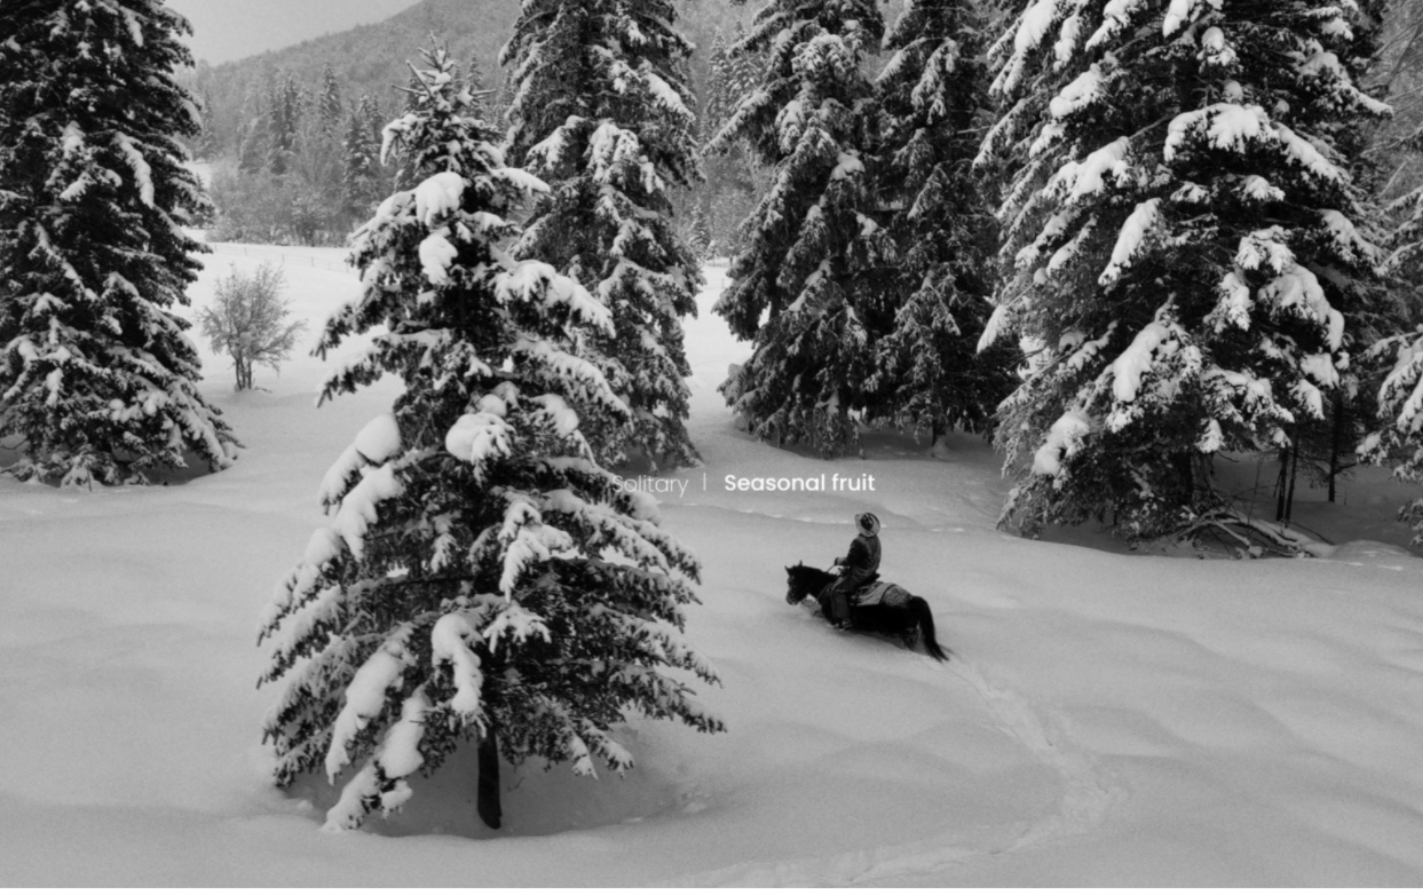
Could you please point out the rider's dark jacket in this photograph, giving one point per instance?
(861, 563)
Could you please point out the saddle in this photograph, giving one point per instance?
(879, 592)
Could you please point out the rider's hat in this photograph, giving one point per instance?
(868, 524)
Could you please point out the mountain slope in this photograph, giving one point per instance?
(372, 59)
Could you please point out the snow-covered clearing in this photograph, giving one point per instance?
(1106, 718)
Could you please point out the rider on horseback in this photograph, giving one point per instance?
(857, 568)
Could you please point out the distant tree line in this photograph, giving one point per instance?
(296, 159)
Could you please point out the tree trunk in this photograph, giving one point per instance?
(1294, 474)
(1335, 443)
(488, 806)
(1281, 483)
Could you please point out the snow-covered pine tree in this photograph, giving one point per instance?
(718, 96)
(208, 142)
(314, 185)
(745, 68)
(252, 137)
(483, 580)
(98, 381)
(479, 90)
(1323, 448)
(1186, 245)
(815, 256)
(934, 95)
(603, 111)
(285, 105)
(361, 178)
(1399, 438)
(734, 180)
(1399, 358)
(328, 102)
(1406, 239)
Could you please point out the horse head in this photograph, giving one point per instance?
(801, 581)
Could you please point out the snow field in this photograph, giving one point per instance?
(1105, 719)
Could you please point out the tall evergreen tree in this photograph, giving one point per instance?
(719, 98)
(1406, 239)
(1397, 359)
(734, 179)
(252, 138)
(361, 179)
(480, 93)
(484, 580)
(745, 67)
(313, 188)
(284, 113)
(329, 107)
(209, 141)
(97, 378)
(1399, 436)
(1187, 245)
(815, 254)
(727, 194)
(934, 94)
(603, 111)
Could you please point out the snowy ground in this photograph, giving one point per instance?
(1106, 719)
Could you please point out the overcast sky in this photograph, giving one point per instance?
(224, 30)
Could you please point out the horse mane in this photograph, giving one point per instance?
(802, 574)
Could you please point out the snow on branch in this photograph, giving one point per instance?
(450, 642)
(1129, 240)
(436, 255)
(379, 439)
(564, 370)
(1085, 90)
(1180, 12)
(1139, 357)
(366, 695)
(1063, 440)
(521, 179)
(381, 782)
(516, 622)
(527, 541)
(1401, 393)
(1298, 288)
(142, 172)
(358, 508)
(1116, 15)
(1226, 125)
(1032, 27)
(1257, 537)
(1079, 179)
(480, 437)
(533, 281)
(438, 196)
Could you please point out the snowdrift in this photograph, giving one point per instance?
(1106, 718)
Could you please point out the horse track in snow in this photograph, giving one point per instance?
(1087, 797)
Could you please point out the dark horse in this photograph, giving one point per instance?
(911, 621)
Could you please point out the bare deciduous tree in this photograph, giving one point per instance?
(248, 321)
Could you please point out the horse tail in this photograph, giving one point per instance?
(925, 618)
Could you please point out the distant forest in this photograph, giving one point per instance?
(293, 135)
